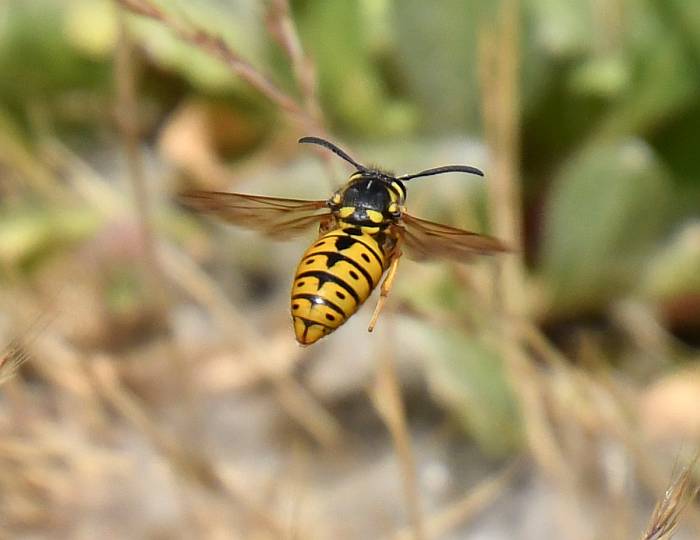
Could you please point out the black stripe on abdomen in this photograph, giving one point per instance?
(318, 299)
(333, 257)
(323, 276)
(346, 241)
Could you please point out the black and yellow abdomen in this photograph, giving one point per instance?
(334, 277)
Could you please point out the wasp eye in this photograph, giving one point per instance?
(335, 200)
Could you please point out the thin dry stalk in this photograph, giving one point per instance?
(308, 114)
(462, 511)
(65, 373)
(181, 270)
(538, 342)
(283, 29)
(85, 181)
(612, 410)
(499, 56)
(216, 47)
(16, 352)
(293, 397)
(499, 64)
(295, 492)
(11, 358)
(668, 510)
(18, 157)
(183, 458)
(386, 397)
(127, 115)
(499, 72)
(298, 403)
(620, 407)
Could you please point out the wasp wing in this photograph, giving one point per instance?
(276, 217)
(423, 239)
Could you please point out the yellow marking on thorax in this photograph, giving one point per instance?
(375, 216)
(366, 231)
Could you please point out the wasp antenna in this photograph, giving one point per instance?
(333, 148)
(445, 169)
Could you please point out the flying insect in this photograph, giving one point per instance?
(363, 231)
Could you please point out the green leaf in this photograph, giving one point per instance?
(562, 29)
(240, 24)
(468, 377)
(345, 49)
(30, 235)
(439, 38)
(675, 270)
(606, 210)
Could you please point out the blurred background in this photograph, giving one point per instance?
(151, 383)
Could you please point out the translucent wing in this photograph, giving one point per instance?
(422, 239)
(275, 217)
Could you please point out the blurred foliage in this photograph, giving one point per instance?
(611, 116)
(674, 271)
(352, 86)
(592, 252)
(41, 62)
(29, 235)
(469, 377)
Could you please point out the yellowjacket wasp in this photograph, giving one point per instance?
(363, 231)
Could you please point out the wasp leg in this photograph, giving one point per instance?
(385, 288)
(327, 225)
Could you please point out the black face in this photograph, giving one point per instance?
(367, 194)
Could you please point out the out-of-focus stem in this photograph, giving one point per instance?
(283, 28)
(127, 121)
(127, 115)
(387, 399)
(217, 47)
(499, 57)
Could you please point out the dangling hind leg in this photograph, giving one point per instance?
(385, 288)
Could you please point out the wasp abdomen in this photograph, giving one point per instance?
(334, 277)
